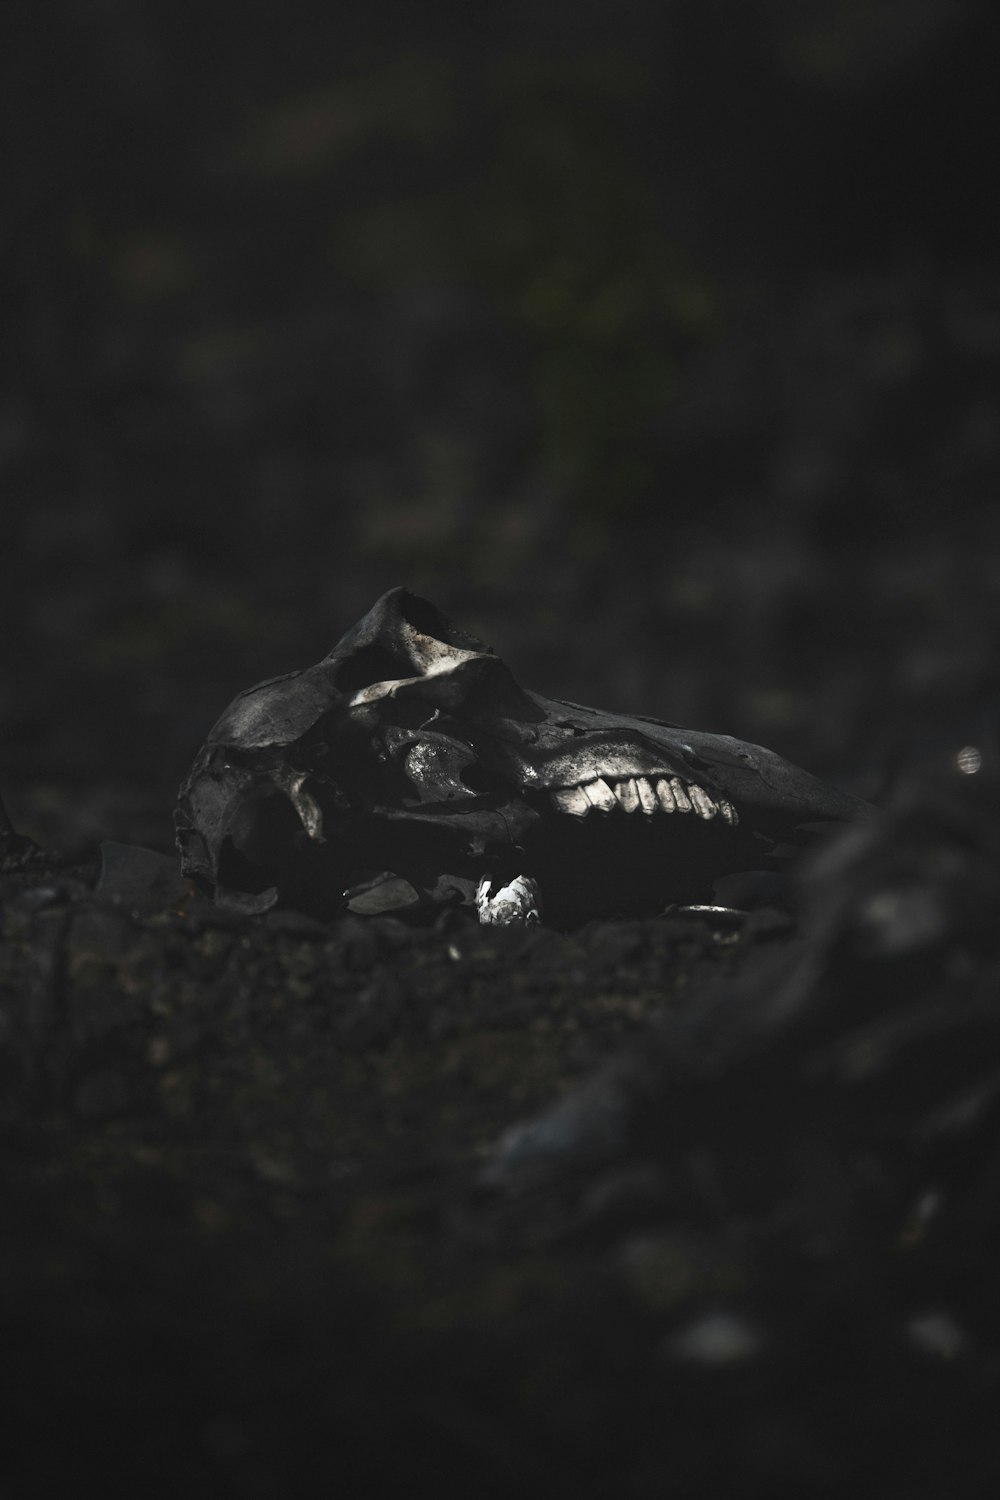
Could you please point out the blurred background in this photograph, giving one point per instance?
(657, 341)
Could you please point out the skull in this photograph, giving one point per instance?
(408, 767)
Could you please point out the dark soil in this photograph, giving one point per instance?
(663, 1201)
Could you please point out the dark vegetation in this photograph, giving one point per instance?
(659, 344)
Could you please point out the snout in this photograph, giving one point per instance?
(762, 780)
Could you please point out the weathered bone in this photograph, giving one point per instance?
(518, 904)
(409, 762)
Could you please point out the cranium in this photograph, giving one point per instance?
(409, 769)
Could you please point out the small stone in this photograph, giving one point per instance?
(395, 894)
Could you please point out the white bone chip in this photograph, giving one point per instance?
(518, 904)
(665, 796)
(647, 794)
(627, 794)
(702, 802)
(601, 795)
(680, 794)
(572, 799)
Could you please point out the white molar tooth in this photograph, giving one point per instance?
(665, 796)
(600, 795)
(572, 799)
(647, 794)
(728, 812)
(628, 794)
(681, 799)
(702, 802)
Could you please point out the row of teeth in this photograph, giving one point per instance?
(659, 794)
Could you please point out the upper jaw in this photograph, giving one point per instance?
(609, 773)
(656, 793)
(604, 774)
(614, 757)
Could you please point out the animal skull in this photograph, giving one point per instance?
(408, 769)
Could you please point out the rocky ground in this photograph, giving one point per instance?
(673, 1203)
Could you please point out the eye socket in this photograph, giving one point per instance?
(368, 665)
(480, 780)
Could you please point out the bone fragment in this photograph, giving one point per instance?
(627, 794)
(600, 795)
(572, 799)
(702, 802)
(518, 904)
(647, 794)
(665, 796)
(681, 799)
(307, 807)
